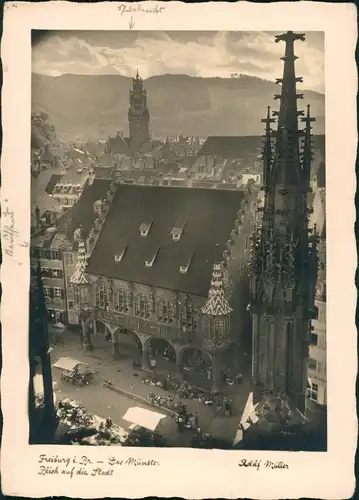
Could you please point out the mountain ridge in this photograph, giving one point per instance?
(96, 106)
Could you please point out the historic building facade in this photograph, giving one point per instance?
(56, 248)
(168, 266)
(284, 251)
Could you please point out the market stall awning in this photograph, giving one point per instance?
(67, 363)
(144, 418)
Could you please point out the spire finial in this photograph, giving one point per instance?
(137, 74)
(217, 253)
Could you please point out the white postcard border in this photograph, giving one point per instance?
(185, 472)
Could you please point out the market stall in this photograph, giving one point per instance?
(88, 429)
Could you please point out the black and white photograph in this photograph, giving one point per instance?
(179, 260)
(178, 239)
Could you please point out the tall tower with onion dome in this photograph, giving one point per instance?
(216, 317)
(283, 264)
(138, 115)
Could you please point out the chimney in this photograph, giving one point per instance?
(91, 177)
(38, 217)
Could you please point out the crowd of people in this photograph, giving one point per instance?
(186, 420)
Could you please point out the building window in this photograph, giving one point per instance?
(47, 291)
(58, 293)
(313, 339)
(69, 259)
(57, 273)
(219, 327)
(165, 311)
(47, 254)
(80, 295)
(100, 295)
(70, 304)
(312, 364)
(189, 317)
(312, 392)
(46, 272)
(141, 306)
(55, 255)
(121, 301)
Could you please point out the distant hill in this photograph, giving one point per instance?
(94, 107)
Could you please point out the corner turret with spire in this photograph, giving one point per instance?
(216, 312)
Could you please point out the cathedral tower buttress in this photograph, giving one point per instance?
(138, 115)
(284, 259)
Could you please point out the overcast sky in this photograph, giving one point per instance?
(204, 54)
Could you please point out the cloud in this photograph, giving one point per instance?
(204, 54)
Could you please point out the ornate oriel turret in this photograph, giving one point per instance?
(138, 115)
(283, 272)
(81, 290)
(216, 313)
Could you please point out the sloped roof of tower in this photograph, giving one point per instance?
(118, 144)
(216, 304)
(207, 217)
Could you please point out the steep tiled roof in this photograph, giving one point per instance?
(103, 172)
(82, 213)
(54, 179)
(242, 147)
(118, 144)
(208, 217)
(230, 147)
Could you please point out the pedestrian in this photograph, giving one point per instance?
(180, 423)
(196, 419)
(239, 378)
(227, 407)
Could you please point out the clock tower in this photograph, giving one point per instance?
(138, 115)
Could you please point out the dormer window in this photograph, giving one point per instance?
(150, 262)
(184, 267)
(97, 206)
(119, 256)
(145, 228)
(177, 231)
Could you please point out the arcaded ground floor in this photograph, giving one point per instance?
(192, 363)
(122, 374)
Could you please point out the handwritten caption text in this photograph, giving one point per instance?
(75, 466)
(10, 234)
